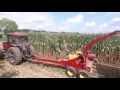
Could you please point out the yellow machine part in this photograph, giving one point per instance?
(72, 56)
(78, 52)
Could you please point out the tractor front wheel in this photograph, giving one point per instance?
(71, 71)
(14, 55)
(83, 74)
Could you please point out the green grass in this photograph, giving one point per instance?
(3, 38)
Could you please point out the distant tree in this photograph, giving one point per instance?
(8, 26)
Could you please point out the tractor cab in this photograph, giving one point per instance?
(14, 40)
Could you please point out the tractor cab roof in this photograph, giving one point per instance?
(17, 34)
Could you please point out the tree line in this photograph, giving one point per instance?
(8, 26)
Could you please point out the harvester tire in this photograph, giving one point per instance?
(83, 74)
(71, 71)
(14, 55)
(1, 54)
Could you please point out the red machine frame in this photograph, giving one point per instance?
(76, 63)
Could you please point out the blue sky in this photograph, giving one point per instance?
(83, 22)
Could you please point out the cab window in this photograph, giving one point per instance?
(11, 39)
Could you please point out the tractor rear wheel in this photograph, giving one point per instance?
(1, 54)
(83, 74)
(71, 71)
(14, 56)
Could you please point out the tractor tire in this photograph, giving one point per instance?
(32, 49)
(83, 74)
(16, 56)
(71, 71)
(1, 54)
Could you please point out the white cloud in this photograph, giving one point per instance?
(90, 24)
(30, 20)
(116, 20)
(117, 27)
(97, 30)
(37, 18)
(37, 21)
(104, 25)
(77, 19)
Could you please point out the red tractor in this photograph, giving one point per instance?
(17, 48)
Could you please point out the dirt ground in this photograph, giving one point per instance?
(30, 70)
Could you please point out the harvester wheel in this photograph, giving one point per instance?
(71, 71)
(14, 55)
(83, 74)
(1, 54)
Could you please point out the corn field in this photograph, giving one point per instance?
(56, 45)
